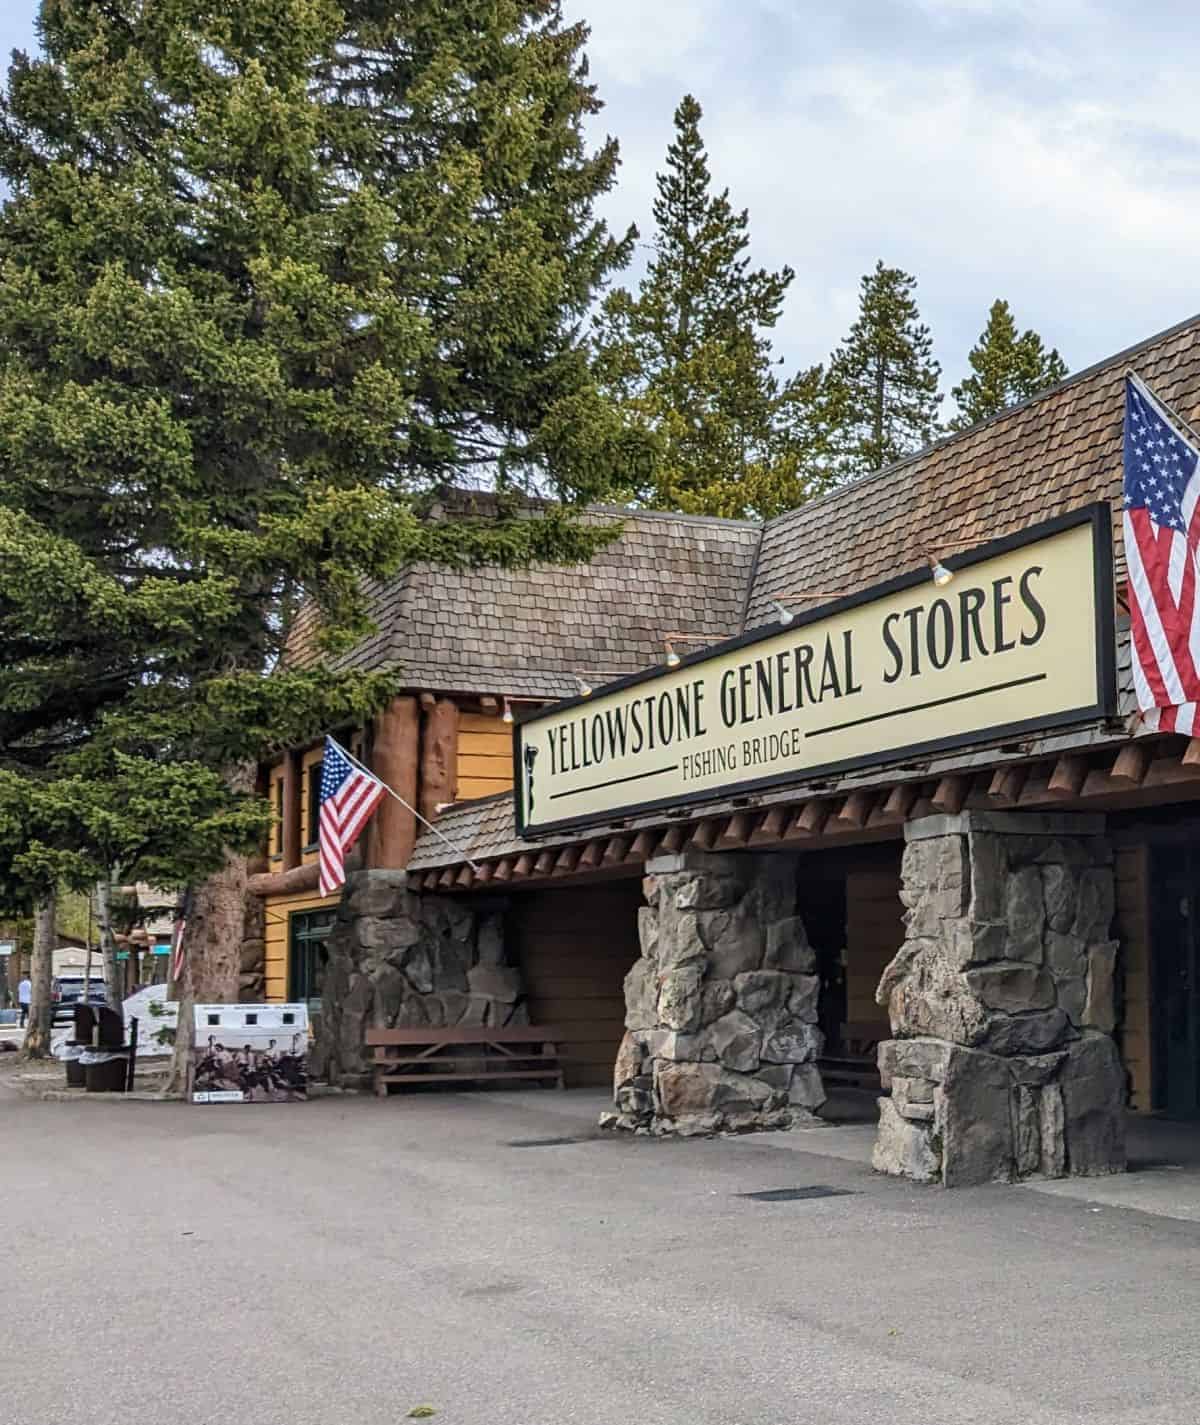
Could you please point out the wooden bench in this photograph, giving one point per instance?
(855, 1066)
(520, 1052)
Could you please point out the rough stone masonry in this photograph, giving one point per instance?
(1001, 1001)
(398, 960)
(721, 1007)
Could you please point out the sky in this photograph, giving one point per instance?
(1044, 151)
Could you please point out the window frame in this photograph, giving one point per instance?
(276, 839)
(308, 930)
(312, 829)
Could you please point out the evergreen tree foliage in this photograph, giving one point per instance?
(1006, 368)
(881, 391)
(688, 356)
(270, 275)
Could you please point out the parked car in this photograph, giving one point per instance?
(70, 992)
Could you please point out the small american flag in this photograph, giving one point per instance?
(349, 795)
(177, 950)
(181, 919)
(1162, 538)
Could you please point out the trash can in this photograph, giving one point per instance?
(71, 1054)
(105, 1070)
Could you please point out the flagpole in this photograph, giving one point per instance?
(1168, 411)
(350, 757)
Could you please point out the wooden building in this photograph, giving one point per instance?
(867, 874)
(473, 649)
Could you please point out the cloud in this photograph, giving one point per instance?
(1040, 150)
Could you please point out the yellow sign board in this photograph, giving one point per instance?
(1021, 639)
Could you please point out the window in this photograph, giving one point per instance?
(314, 805)
(309, 955)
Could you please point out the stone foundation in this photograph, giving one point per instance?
(1001, 1000)
(401, 960)
(721, 1008)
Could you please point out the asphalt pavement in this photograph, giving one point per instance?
(347, 1261)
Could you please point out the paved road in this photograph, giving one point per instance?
(343, 1262)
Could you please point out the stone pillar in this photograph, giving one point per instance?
(1003, 1064)
(399, 960)
(721, 1008)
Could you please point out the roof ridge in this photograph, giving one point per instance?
(676, 516)
(857, 483)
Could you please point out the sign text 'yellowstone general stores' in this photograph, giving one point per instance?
(1021, 639)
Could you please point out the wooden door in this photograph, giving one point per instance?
(1176, 872)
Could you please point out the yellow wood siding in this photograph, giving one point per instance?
(484, 755)
(874, 932)
(278, 911)
(1133, 931)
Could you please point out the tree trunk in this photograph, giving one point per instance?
(113, 988)
(212, 945)
(87, 962)
(41, 1009)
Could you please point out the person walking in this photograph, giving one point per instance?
(24, 995)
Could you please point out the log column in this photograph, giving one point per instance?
(395, 754)
(439, 757)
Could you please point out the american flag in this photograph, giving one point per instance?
(1162, 546)
(177, 950)
(349, 794)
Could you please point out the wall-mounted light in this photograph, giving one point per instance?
(585, 688)
(671, 639)
(510, 700)
(940, 573)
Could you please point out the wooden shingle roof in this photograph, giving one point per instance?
(527, 632)
(1057, 452)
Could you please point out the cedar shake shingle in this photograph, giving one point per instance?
(527, 632)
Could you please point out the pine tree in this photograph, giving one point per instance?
(271, 274)
(882, 388)
(1006, 368)
(689, 359)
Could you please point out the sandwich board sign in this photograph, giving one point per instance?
(250, 1053)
